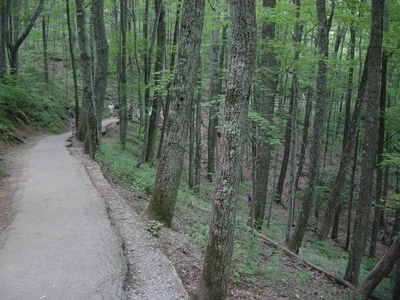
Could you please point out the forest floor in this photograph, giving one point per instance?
(285, 277)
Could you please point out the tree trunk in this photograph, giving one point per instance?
(214, 99)
(92, 141)
(123, 116)
(361, 221)
(101, 63)
(3, 29)
(45, 54)
(158, 67)
(381, 269)
(293, 127)
(14, 42)
(396, 290)
(381, 145)
(171, 67)
(73, 66)
(217, 259)
(351, 193)
(197, 159)
(313, 170)
(266, 110)
(348, 146)
(169, 171)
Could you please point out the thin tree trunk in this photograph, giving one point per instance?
(197, 159)
(361, 221)
(158, 67)
(123, 116)
(351, 193)
(45, 54)
(348, 146)
(293, 156)
(266, 109)
(381, 145)
(313, 170)
(171, 67)
(3, 29)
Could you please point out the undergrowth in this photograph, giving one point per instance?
(252, 259)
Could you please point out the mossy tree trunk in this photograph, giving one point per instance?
(217, 259)
(163, 199)
(91, 140)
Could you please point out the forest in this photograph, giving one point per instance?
(254, 107)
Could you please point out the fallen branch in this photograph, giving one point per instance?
(291, 254)
(294, 255)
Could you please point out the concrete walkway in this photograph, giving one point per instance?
(60, 244)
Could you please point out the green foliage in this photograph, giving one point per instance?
(123, 164)
(155, 227)
(33, 100)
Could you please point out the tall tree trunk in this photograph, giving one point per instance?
(123, 116)
(361, 222)
(351, 193)
(163, 199)
(266, 109)
(45, 54)
(348, 146)
(304, 142)
(347, 120)
(217, 259)
(381, 144)
(92, 141)
(3, 29)
(313, 169)
(101, 63)
(213, 97)
(171, 67)
(79, 134)
(197, 159)
(293, 127)
(158, 67)
(14, 42)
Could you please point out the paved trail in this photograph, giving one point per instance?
(61, 244)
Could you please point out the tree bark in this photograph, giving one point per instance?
(217, 259)
(159, 65)
(361, 221)
(45, 54)
(313, 170)
(101, 63)
(381, 144)
(266, 109)
(3, 29)
(348, 147)
(169, 170)
(123, 116)
(14, 42)
(73, 66)
(92, 141)
(381, 269)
